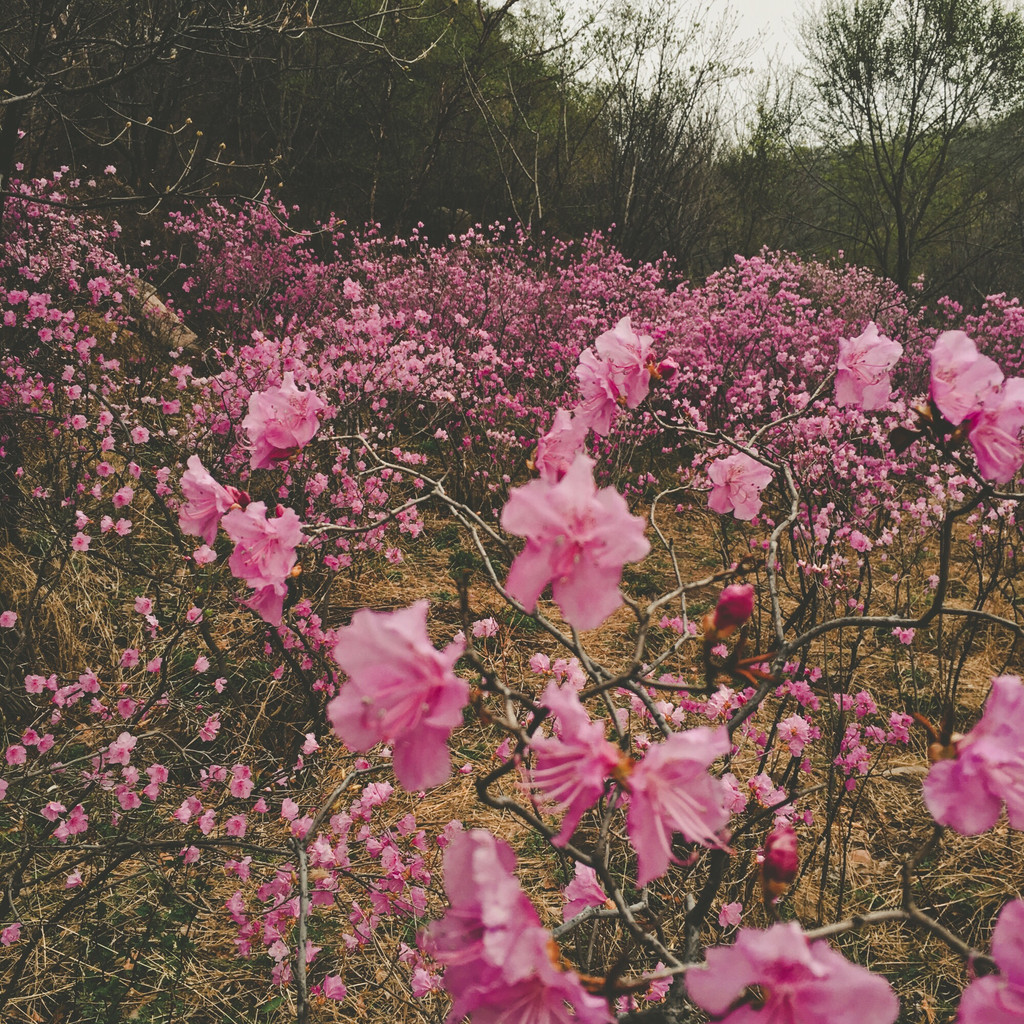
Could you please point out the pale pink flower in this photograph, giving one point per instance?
(904, 635)
(862, 370)
(730, 915)
(559, 446)
(800, 982)
(571, 767)
(670, 791)
(736, 485)
(334, 987)
(485, 628)
(495, 952)
(583, 891)
(961, 378)
(10, 934)
(281, 420)
(264, 554)
(401, 690)
(205, 502)
(81, 542)
(967, 791)
(999, 998)
(619, 375)
(995, 433)
(8, 619)
(577, 539)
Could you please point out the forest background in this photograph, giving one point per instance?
(897, 141)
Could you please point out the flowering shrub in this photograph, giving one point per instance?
(253, 583)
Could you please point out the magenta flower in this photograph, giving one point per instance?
(778, 977)
(577, 539)
(780, 862)
(205, 501)
(999, 998)
(967, 791)
(961, 378)
(619, 375)
(583, 891)
(735, 605)
(862, 370)
(401, 690)
(736, 485)
(281, 420)
(264, 554)
(671, 791)
(497, 957)
(558, 447)
(995, 433)
(571, 768)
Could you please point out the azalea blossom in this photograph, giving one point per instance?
(583, 891)
(862, 369)
(571, 767)
(994, 432)
(577, 539)
(264, 554)
(618, 375)
(499, 967)
(735, 605)
(281, 420)
(736, 485)
(968, 789)
(558, 447)
(401, 690)
(205, 501)
(778, 977)
(961, 378)
(999, 998)
(670, 791)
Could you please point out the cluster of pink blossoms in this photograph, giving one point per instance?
(264, 554)
(401, 690)
(206, 502)
(501, 965)
(669, 791)
(969, 388)
(281, 420)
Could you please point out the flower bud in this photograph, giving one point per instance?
(779, 863)
(735, 606)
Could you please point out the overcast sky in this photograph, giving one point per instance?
(770, 25)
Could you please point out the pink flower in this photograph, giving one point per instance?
(140, 435)
(619, 375)
(905, 636)
(206, 501)
(799, 982)
(10, 934)
(485, 627)
(961, 378)
(968, 790)
(862, 370)
(400, 689)
(264, 554)
(671, 791)
(495, 952)
(571, 768)
(583, 891)
(735, 605)
(8, 619)
(999, 998)
(558, 447)
(577, 539)
(80, 542)
(995, 433)
(281, 420)
(730, 914)
(334, 987)
(736, 485)
(780, 862)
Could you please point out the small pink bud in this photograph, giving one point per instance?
(735, 606)
(780, 863)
